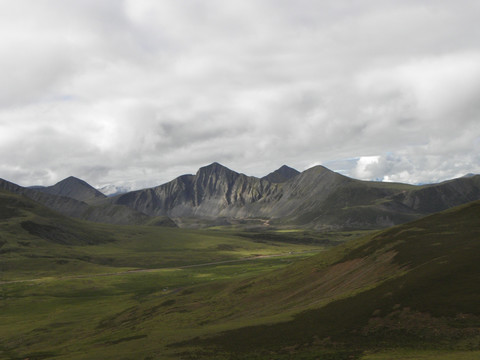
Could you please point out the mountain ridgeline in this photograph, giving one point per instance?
(317, 198)
(75, 198)
(215, 191)
(74, 188)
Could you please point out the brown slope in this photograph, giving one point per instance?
(414, 284)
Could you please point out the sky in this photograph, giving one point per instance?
(137, 92)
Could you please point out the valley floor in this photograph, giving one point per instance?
(78, 290)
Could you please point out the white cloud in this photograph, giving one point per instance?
(143, 91)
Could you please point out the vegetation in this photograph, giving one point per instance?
(78, 290)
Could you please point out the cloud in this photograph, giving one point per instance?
(143, 91)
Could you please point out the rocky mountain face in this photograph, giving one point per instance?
(317, 198)
(214, 191)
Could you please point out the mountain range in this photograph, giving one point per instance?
(317, 198)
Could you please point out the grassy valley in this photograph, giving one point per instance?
(71, 289)
(63, 280)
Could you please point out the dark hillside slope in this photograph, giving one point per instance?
(323, 198)
(412, 285)
(107, 213)
(439, 197)
(25, 218)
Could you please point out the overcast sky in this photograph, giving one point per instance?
(138, 92)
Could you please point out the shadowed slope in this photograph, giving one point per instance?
(412, 284)
(106, 212)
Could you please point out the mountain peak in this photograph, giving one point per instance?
(281, 175)
(74, 188)
(72, 179)
(214, 168)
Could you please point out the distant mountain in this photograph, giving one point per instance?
(212, 192)
(281, 175)
(317, 197)
(74, 188)
(105, 212)
(438, 197)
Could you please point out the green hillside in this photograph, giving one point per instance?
(36, 242)
(77, 290)
(415, 285)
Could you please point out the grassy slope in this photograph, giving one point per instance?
(36, 242)
(74, 309)
(412, 285)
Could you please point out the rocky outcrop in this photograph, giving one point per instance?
(212, 192)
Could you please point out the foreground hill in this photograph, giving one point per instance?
(412, 285)
(75, 290)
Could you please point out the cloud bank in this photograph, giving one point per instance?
(138, 92)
